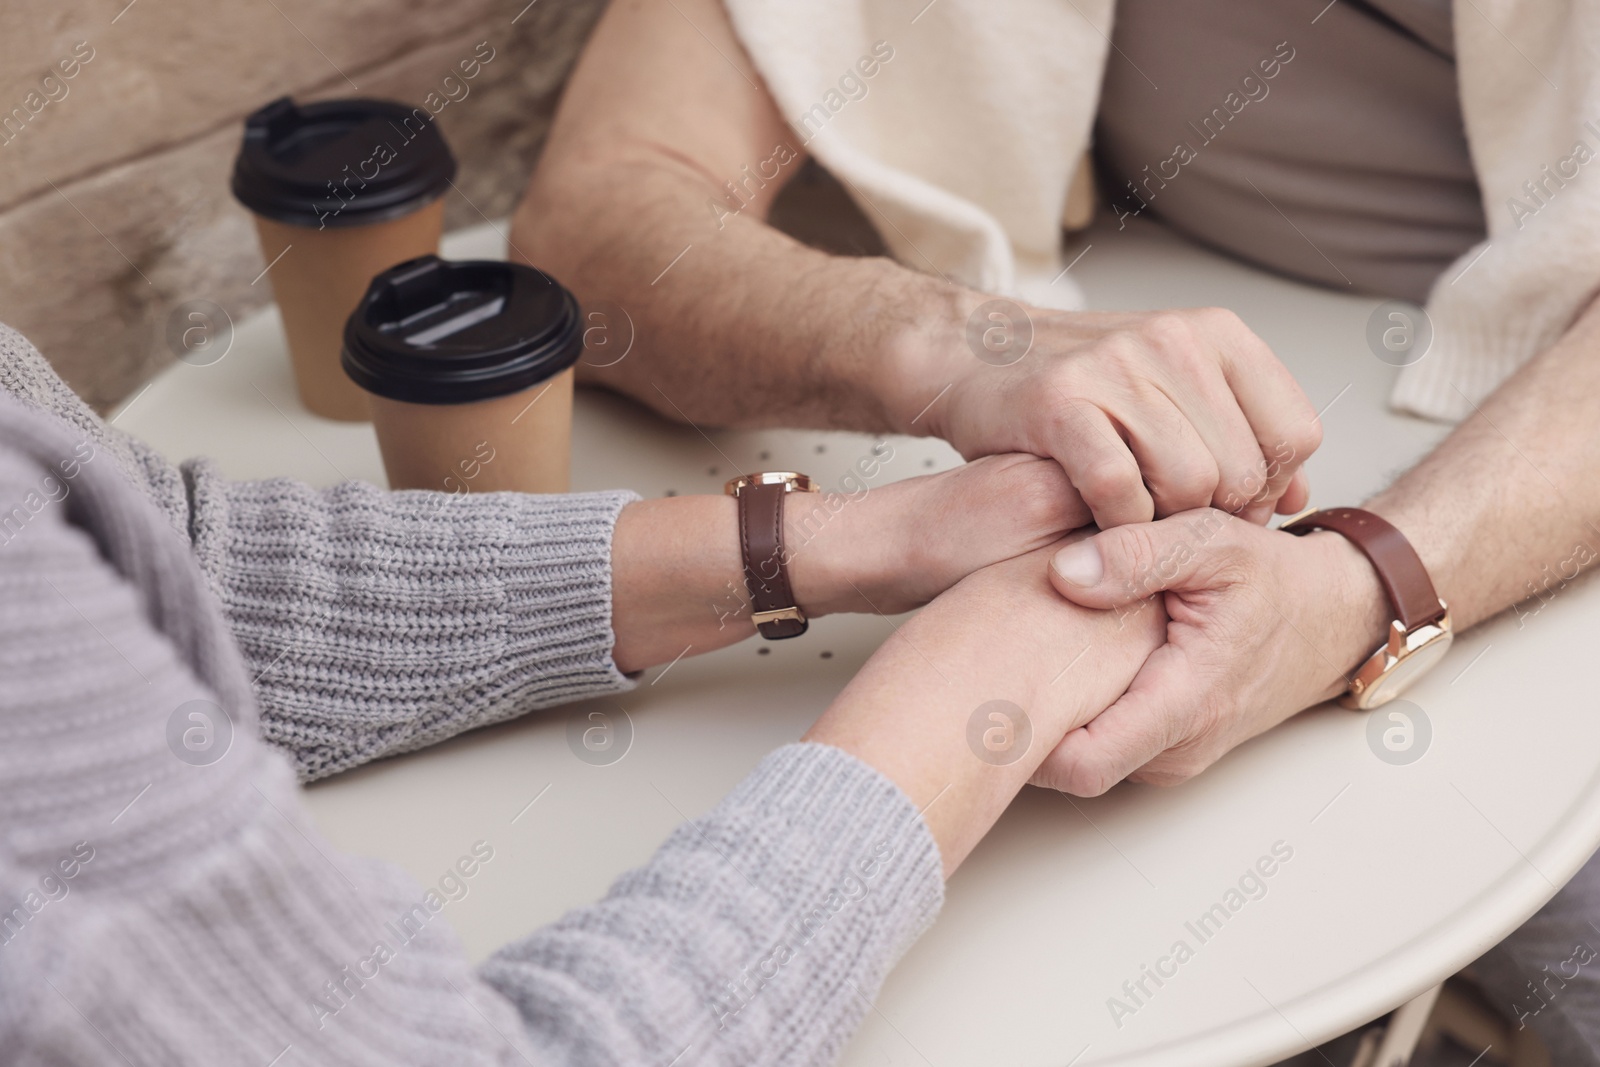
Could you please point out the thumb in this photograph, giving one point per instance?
(1135, 561)
(1142, 724)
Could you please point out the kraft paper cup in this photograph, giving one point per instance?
(340, 190)
(468, 371)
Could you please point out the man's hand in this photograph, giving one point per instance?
(893, 548)
(650, 199)
(1260, 625)
(1150, 414)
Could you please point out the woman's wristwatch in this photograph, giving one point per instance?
(766, 562)
(1420, 633)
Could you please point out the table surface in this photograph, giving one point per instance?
(1399, 874)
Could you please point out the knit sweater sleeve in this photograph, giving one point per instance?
(762, 931)
(375, 623)
(164, 898)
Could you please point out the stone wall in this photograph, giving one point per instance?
(119, 122)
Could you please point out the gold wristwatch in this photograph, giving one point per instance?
(1419, 634)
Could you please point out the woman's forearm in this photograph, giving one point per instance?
(736, 938)
(678, 576)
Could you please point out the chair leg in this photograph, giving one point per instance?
(1463, 1015)
(1405, 1028)
(1367, 1049)
(1527, 1050)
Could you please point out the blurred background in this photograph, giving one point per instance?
(114, 202)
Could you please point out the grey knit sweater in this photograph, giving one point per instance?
(161, 904)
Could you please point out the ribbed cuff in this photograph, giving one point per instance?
(759, 933)
(1499, 305)
(376, 623)
(858, 877)
(1472, 354)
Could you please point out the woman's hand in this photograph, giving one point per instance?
(889, 549)
(961, 705)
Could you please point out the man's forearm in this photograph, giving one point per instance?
(1507, 509)
(651, 195)
(821, 339)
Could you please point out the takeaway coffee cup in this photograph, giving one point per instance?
(468, 370)
(340, 190)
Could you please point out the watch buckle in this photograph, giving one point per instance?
(761, 618)
(1284, 524)
(792, 482)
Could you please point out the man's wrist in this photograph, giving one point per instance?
(923, 357)
(1355, 596)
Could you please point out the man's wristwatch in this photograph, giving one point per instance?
(766, 563)
(1420, 633)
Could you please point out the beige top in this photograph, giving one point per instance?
(1331, 151)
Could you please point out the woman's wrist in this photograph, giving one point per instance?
(841, 550)
(678, 578)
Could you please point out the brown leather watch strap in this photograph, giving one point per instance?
(1399, 567)
(766, 572)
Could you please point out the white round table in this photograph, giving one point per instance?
(1399, 874)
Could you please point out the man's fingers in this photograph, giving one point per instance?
(1294, 499)
(1129, 563)
(1298, 496)
(1179, 467)
(1141, 725)
(1280, 414)
(1090, 448)
(1195, 384)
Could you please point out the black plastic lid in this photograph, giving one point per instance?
(430, 331)
(340, 162)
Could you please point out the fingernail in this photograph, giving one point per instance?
(1079, 564)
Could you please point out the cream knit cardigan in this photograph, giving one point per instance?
(962, 144)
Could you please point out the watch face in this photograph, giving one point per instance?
(1398, 678)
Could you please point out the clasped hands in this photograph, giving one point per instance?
(1149, 648)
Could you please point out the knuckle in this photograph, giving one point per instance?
(1186, 767)
(1108, 478)
(1218, 319)
(1131, 552)
(1243, 486)
(1157, 774)
(1305, 437)
(1169, 329)
(1190, 484)
(1169, 773)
